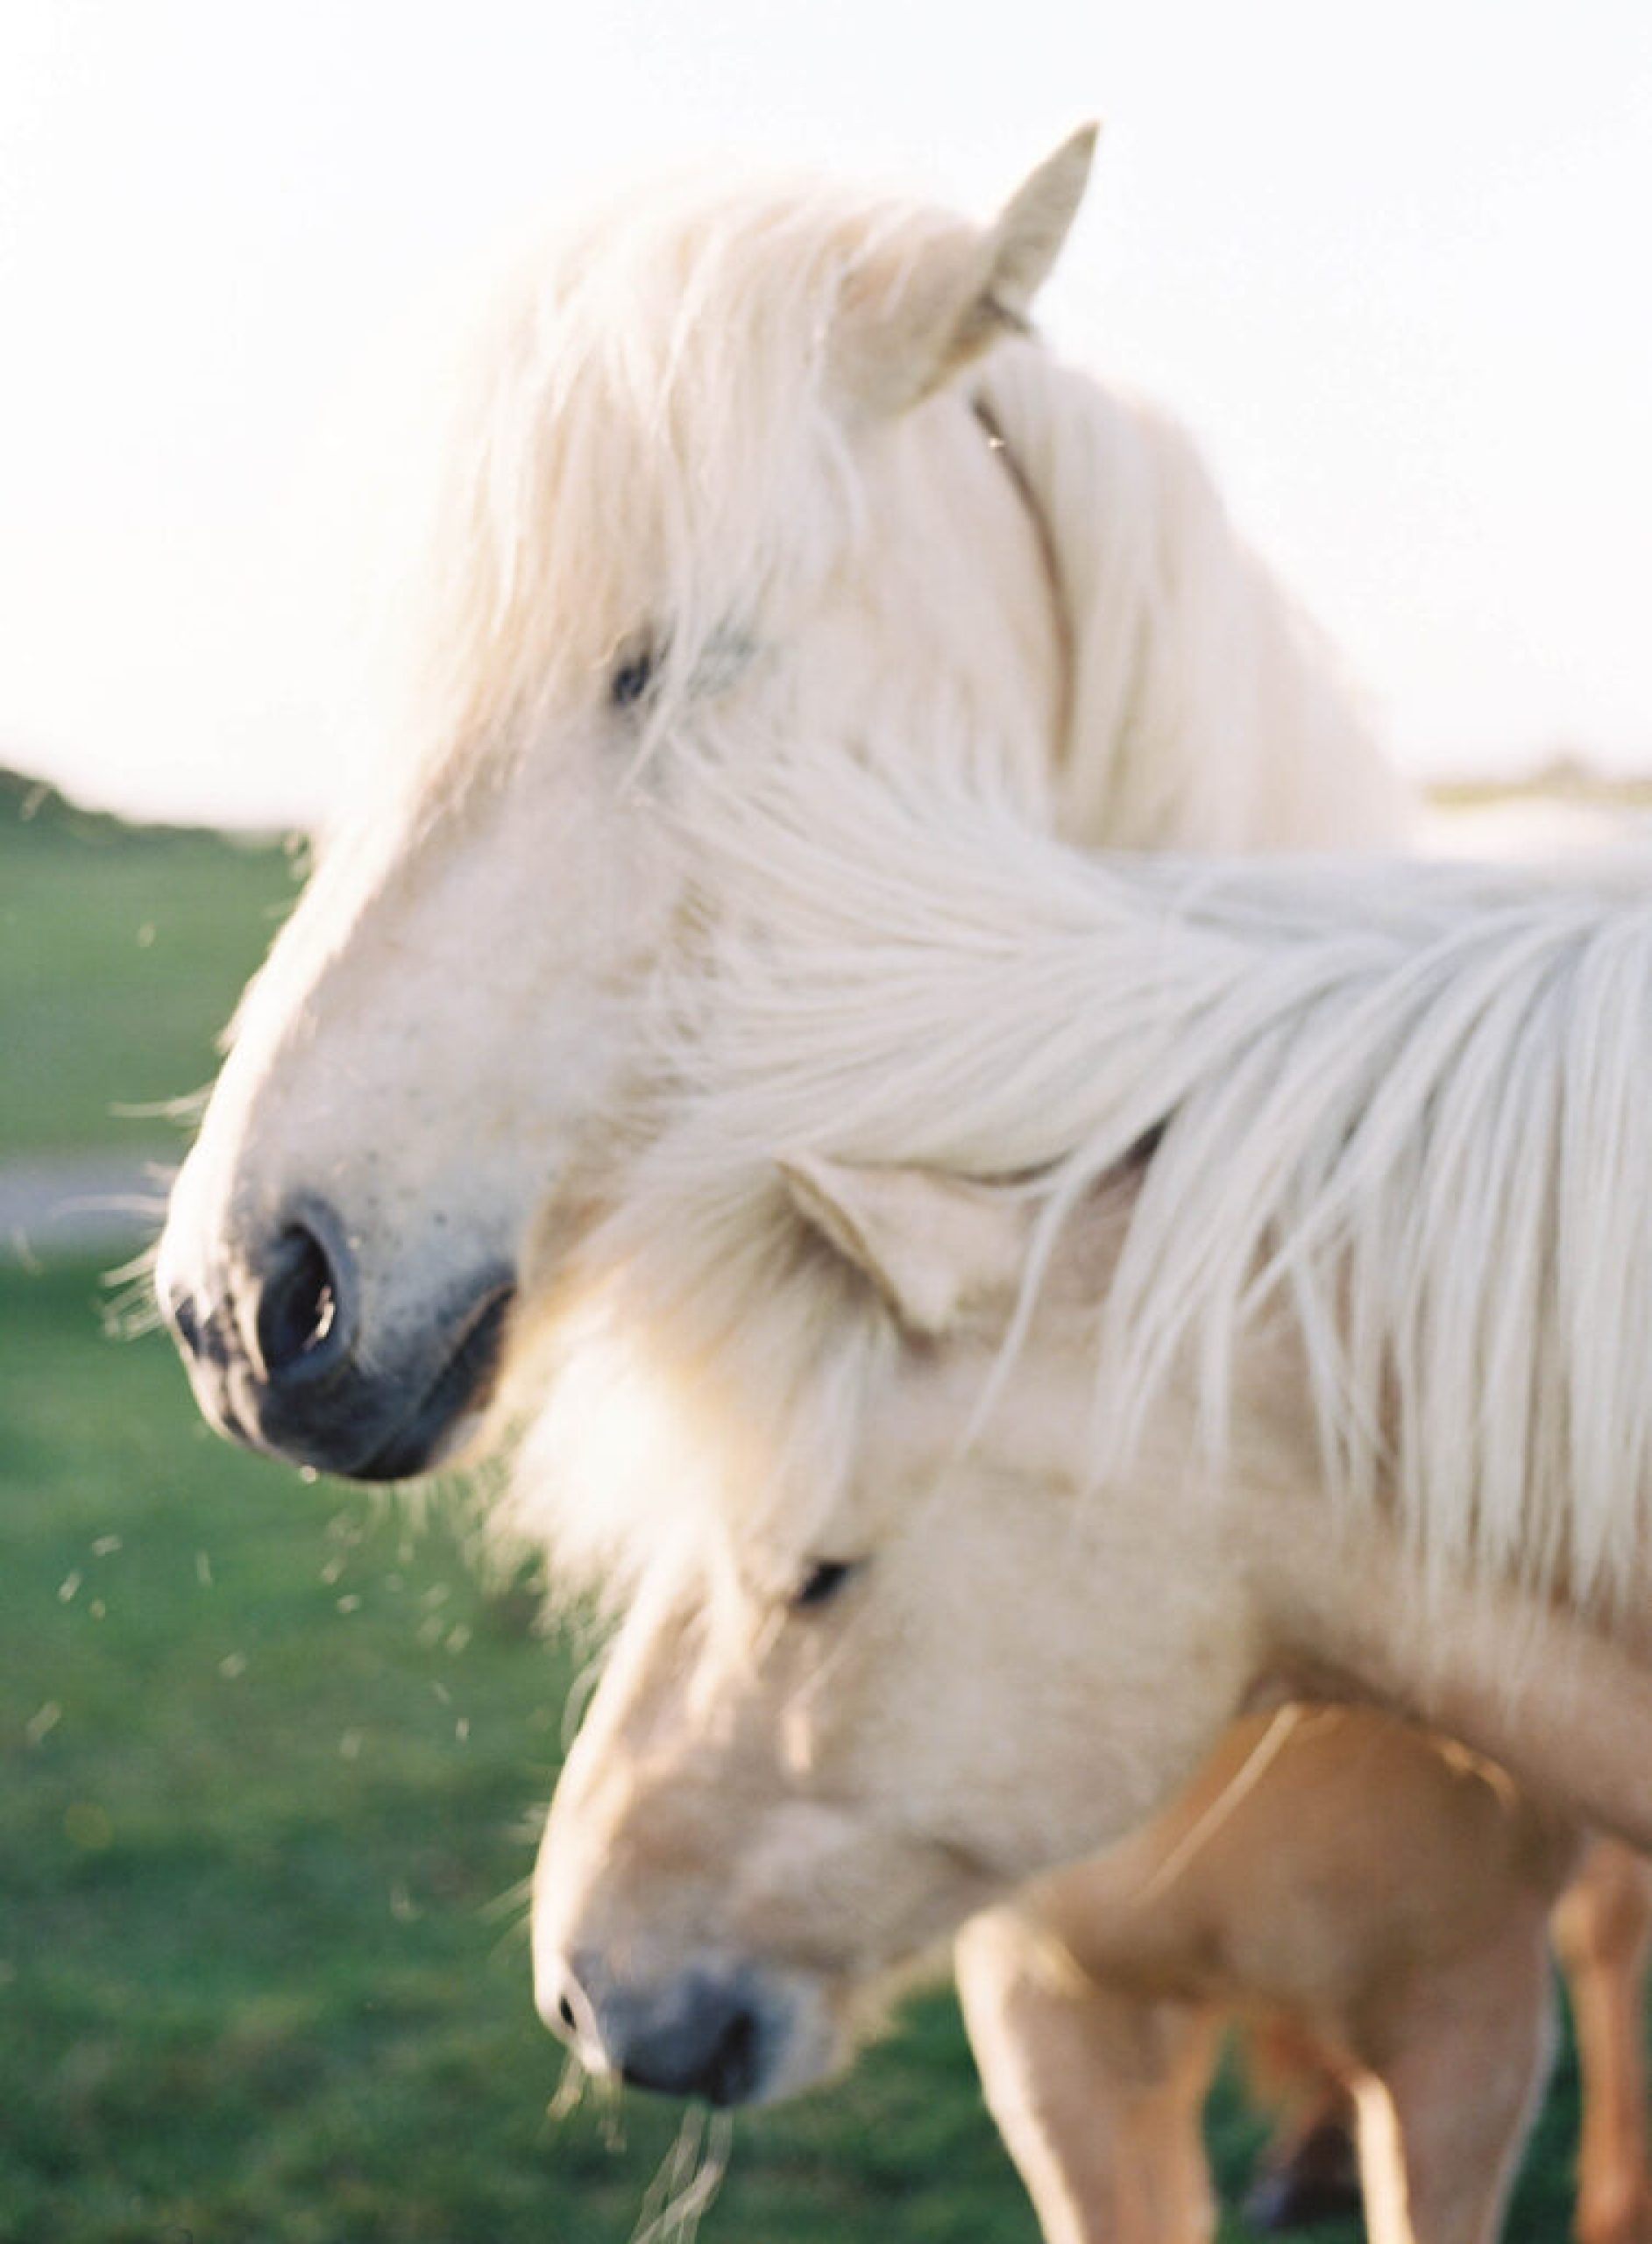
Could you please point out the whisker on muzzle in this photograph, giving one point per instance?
(690, 2178)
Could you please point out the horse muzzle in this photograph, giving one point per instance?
(724, 2034)
(282, 1355)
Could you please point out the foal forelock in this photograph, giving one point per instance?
(672, 1420)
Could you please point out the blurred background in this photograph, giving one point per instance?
(271, 1754)
(1383, 263)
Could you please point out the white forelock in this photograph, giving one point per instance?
(648, 435)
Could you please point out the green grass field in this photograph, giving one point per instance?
(274, 1759)
(272, 1756)
(121, 952)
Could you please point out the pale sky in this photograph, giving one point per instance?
(1382, 262)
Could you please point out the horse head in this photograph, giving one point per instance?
(716, 476)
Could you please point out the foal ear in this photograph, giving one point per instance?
(934, 1246)
(905, 333)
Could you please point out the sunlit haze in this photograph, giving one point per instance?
(1382, 261)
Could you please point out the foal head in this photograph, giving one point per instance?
(848, 1708)
(715, 480)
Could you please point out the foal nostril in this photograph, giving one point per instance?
(730, 2072)
(303, 1317)
(706, 2042)
(564, 2006)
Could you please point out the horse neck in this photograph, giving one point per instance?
(1206, 711)
(1562, 1700)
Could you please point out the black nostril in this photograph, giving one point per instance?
(706, 2042)
(301, 1322)
(561, 2010)
(731, 2074)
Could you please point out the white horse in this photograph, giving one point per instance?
(746, 464)
(877, 1675)
(743, 463)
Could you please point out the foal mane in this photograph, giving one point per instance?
(1394, 1102)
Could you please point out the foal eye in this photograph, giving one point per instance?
(821, 1584)
(631, 678)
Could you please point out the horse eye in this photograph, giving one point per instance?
(822, 1582)
(631, 678)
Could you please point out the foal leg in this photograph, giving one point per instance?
(1457, 2068)
(1098, 2094)
(1600, 1925)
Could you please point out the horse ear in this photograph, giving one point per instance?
(903, 335)
(934, 1246)
(1026, 239)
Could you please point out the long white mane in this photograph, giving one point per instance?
(653, 435)
(1396, 1101)
(1207, 711)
